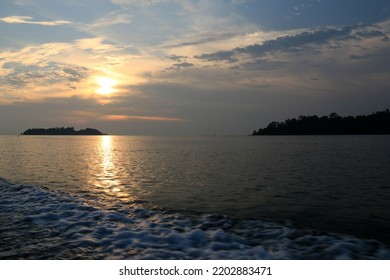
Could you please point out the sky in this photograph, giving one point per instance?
(183, 67)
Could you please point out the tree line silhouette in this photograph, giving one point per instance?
(376, 123)
(61, 131)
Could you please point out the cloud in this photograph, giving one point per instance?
(177, 57)
(219, 56)
(181, 65)
(365, 34)
(142, 2)
(140, 118)
(312, 41)
(113, 18)
(201, 39)
(263, 65)
(78, 52)
(281, 44)
(186, 5)
(96, 44)
(360, 57)
(30, 20)
(21, 75)
(62, 69)
(85, 116)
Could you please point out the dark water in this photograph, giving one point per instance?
(323, 184)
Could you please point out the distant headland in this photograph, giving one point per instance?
(62, 131)
(376, 123)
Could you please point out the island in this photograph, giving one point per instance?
(376, 123)
(62, 131)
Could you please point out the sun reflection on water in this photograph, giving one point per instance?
(106, 152)
(109, 177)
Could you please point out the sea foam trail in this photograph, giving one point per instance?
(36, 223)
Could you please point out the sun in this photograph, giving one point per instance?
(106, 85)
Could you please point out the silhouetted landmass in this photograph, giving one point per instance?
(376, 123)
(62, 131)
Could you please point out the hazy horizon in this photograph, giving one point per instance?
(182, 67)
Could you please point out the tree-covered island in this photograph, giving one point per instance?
(376, 123)
(62, 131)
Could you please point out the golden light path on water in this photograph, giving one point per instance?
(109, 177)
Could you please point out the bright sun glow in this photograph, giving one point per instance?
(106, 85)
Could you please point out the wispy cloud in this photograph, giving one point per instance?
(30, 20)
(133, 2)
(139, 118)
(65, 68)
(180, 65)
(21, 75)
(186, 5)
(142, 2)
(306, 49)
(282, 44)
(113, 18)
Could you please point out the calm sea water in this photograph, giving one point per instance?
(308, 186)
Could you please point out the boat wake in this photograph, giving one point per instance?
(36, 223)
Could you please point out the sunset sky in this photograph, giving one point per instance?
(189, 67)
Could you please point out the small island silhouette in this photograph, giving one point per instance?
(62, 131)
(376, 123)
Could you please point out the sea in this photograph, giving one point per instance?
(209, 197)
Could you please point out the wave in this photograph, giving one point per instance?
(36, 223)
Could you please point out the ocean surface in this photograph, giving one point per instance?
(238, 197)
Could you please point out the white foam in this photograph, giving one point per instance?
(39, 224)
